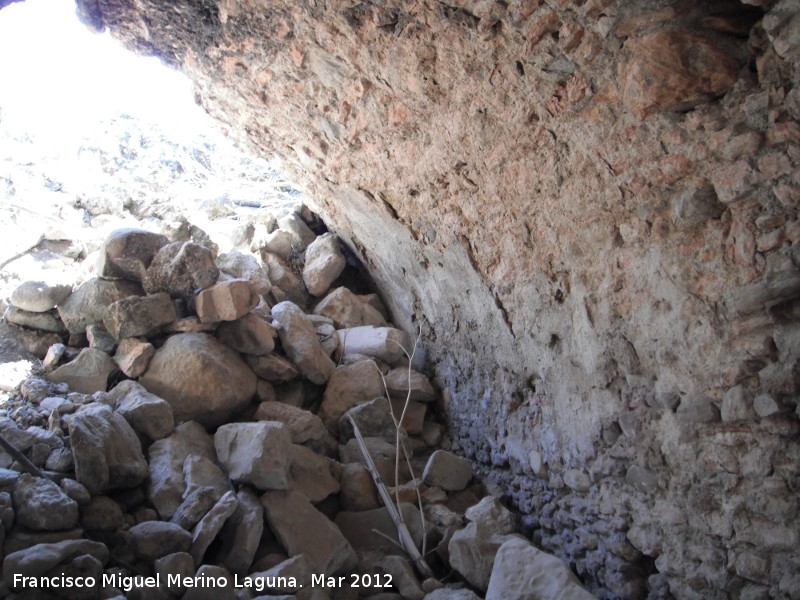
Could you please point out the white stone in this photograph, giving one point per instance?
(384, 343)
(324, 263)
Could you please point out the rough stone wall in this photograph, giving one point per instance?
(590, 208)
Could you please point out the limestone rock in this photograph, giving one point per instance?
(373, 418)
(255, 453)
(107, 453)
(38, 296)
(180, 269)
(286, 285)
(88, 373)
(278, 242)
(42, 558)
(133, 355)
(202, 379)
(736, 406)
(177, 563)
(210, 525)
(305, 427)
(357, 489)
(88, 303)
(147, 414)
(245, 266)
(310, 474)
(202, 472)
(403, 577)
(348, 310)
(43, 506)
(41, 321)
(318, 538)
(166, 459)
(226, 301)
(241, 533)
(349, 386)
(272, 367)
(300, 342)
(472, 549)
(324, 263)
(302, 236)
(383, 343)
(299, 567)
(765, 405)
(397, 382)
(102, 514)
(127, 253)
(249, 334)
(155, 539)
(139, 316)
(195, 505)
(523, 571)
(99, 338)
(447, 471)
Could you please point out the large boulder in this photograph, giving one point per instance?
(255, 453)
(88, 303)
(181, 269)
(107, 453)
(521, 570)
(300, 342)
(167, 457)
(324, 263)
(201, 378)
(127, 253)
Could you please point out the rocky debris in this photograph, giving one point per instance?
(133, 355)
(211, 524)
(139, 316)
(226, 301)
(98, 338)
(324, 263)
(155, 539)
(300, 342)
(374, 529)
(349, 310)
(181, 269)
(43, 321)
(305, 427)
(300, 233)
(404, 383)
(311, 474)
(148, 414)
(40, 559)
(245, 266)
(41, 505)
(255, 453)
(201, 378)
(88, 373)
(241, 534)
(272, 367)
(349, 386)
(38, 296)
(382, 343)
(127, 253)
(286, 284)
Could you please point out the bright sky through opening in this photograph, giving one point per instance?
(58, 78)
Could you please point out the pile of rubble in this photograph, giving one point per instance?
(194, 434)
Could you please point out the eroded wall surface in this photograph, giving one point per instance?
(591, 210)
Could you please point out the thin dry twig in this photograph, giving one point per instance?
(22, 459)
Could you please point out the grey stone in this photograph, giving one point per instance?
(178, 564)
(323, 543)
(155, 539)
(194, 507)
(305, 427)
(201, 472)
(373, 529)
(736, 406)
(642, 479)
(88, 303)
(201, 378)
(302, 236)
(373, 418)
(383, 455)
(180, 269)
(255, 453)
(38, 296)
(349, 386)
(107, 453)
(100, 339)
(43, 506)
(211, 524)
(133, 356)
(166, 460)
(101, 513)
(241, 534)
(300, 342)
(448, 471)
(310, 474)
(42, 558)
(137, 316)
(245, 266)
(226, 301)
(286, 285)
(127, 253)
(383, 343)
(397, 382)
(88, 373)
(357, 489)
(272, 367)
(249, 334)
(523, 571)
(60, 460)
(324, 263)
(765, 405)
(413, 419)
(76, 491)
(147, 414)
(42, 321)
(348, 310)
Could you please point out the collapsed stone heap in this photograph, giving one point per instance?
(198, 423)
